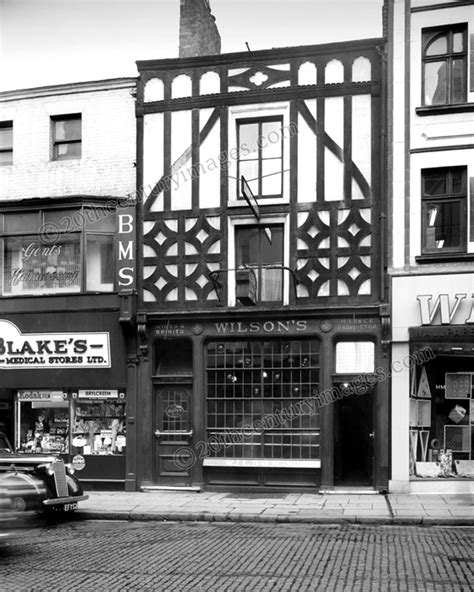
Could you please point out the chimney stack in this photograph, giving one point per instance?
(198, 34)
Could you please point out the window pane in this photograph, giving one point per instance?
(6, 137)
(458, 82)
(435, 183)
(271, 285)
(100, 263)
(68, 150)
(438, 46)
(67, 129)
(443, 225)
(458, 42)
(249, 169)
(271, 140)
(271, 244)
(21, 222)
(248, 140)
(32, 267)
(99, 218)
(457, 180)
(435, 83)
(6, 157)
(271, 177)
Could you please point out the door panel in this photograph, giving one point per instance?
(173, 433)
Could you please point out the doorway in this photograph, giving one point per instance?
(354, 440)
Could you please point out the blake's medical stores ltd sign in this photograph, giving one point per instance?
(52, 350)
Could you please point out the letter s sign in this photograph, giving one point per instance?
(126, 236)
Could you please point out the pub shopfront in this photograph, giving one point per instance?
(63, 387)
(432, 397)
(255, 404)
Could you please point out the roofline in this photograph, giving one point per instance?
(68, 89)
(275, 53)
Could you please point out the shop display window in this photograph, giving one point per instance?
(252, 388)
(43, 420)
(441, 418)
(98, 426)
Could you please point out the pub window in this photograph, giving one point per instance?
(67, 137)
(444, 65)
(260, 161)
(259, 264)
(55, 251)
(444, 210)
(253, 391)
(6, 142)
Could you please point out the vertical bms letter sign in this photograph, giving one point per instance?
(126, 235)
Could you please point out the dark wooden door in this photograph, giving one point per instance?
(354, 440)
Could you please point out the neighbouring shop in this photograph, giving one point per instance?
(264, 404)
(434, 344)
(63, 388)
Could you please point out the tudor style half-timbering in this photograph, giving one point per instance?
(262, 294)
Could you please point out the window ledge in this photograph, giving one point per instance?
(444, 257)
(441, 109)
(262, 463)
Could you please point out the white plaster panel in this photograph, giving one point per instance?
(153, 156)
(210, 171)
(181, 86)
(307, 154)
(362, 134)
(181, 176)
(307, 73)
(154, 90)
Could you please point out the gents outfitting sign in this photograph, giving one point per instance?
(52, 350)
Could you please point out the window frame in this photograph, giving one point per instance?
(428, 35)
(270, 220)
(260, 121)
(69, 228)
(7, 125)
(55, 143)
(448, 197)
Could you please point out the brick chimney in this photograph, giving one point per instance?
(198, 34)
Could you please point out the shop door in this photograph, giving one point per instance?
(173, 455)
(354, 440)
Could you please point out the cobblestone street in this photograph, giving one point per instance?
(115, 556)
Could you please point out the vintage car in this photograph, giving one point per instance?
(39, 482)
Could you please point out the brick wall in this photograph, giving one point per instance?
(106, 167)
(198, 34)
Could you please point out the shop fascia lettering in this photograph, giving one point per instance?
(446, 308)
(258, 326)
(47, 350)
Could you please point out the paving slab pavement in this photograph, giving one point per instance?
(322, 508)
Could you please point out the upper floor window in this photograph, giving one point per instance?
(259, 264)
(6, 142)
(444, 210)
(445, 65)
(54, 251)
(67, 136)
(260, 142)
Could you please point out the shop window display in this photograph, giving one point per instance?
(252, 386)
(44, 428)
(441, 418)
(98, 427)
